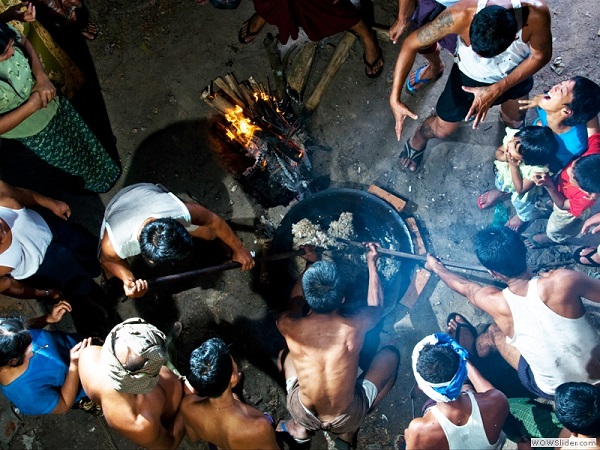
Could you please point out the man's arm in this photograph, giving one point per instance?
(17, 289)
(450, 21)
(540, 43)
(16, 197)
(559, 199)
(206, 218)
(406, 9)
(114, 264)
(478, 295)
(574, 284)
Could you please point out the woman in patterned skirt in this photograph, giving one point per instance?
(47, 124)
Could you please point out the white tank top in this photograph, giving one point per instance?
(557, 349)
(131, 207)
(492, 70)
(471, 435)
(30, 240)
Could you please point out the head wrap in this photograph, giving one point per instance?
(449, 390)
(145, 340)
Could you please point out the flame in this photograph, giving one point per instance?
(242, 129)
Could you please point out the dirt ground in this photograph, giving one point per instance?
(152, 59)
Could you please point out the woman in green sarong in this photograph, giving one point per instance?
(60, 68)
(47, 124)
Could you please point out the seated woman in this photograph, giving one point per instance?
(47, 124)
(39, 369)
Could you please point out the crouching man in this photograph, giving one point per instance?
(456, 417)
(324, 346)
(146, 219)
(139, 396)
(216, 414)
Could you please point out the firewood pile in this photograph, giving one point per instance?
(267, 132)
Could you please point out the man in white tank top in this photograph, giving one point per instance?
(43, 257)
(501, 44)
(146, 219)
(459, 419)
(541, 328)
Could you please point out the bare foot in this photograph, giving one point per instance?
(251, 28)
(490, 198)
(90, 31)
(539, 240)
(515, 223)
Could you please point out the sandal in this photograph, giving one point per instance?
(371, 66)
(577, 256)
(416, 156)
(245, 36)
(410, 87)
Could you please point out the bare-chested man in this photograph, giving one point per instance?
(500, 47)
(459, 418)
(216, 414)
(139, 396)
(324, 346)
(541, 328)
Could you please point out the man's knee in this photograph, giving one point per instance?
(442, 129)
(390, 357)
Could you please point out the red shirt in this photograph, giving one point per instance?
(577, 201)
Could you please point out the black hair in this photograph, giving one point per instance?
(585, 172)
(585, 104)
(211, 368)
(14, 340)
(437, 363)
(577, 406)
(492, 31)
(322, 287)
(538, 145)
(165, 240)
(7, 34)
(501, 250)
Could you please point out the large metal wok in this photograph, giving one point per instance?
(373, 220)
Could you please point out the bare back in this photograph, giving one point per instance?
(143, 418)
(324, 349)
(239, 426)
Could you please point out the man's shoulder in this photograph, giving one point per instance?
(426, 433)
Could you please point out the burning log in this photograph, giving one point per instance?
(259, 124)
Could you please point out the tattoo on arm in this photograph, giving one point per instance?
(436, 30)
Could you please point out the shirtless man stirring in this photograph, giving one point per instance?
(139, 396)
(324, 347)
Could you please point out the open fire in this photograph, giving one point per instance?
(268, 133)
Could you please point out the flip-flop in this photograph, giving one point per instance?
(460, 325)
(371, 66)
(416, 156)
(410, 87)
(591, 263)
(281, 428)
(245, 36)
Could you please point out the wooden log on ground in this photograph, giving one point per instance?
(222, 84)
(270, 44)
(233, 85)
(299, 70)
(338, 58)
(416, 288)
(418, 240)
(217, 102)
